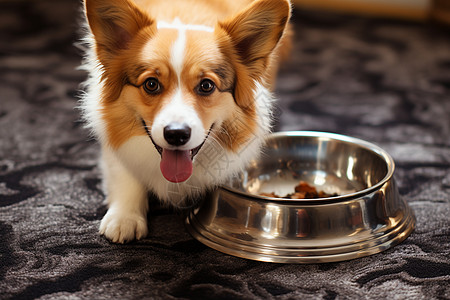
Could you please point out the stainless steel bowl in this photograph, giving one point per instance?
(367, 217)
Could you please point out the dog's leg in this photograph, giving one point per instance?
(126, 218)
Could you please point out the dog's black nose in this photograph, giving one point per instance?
(177, 134)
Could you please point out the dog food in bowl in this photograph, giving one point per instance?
(303, 190)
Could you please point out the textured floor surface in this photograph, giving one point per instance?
(387, 82)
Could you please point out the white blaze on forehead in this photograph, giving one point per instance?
(178, 47)
(177, 110)
(176, 24)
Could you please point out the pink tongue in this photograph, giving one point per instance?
(176, 166)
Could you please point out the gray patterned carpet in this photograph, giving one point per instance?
(384, 81)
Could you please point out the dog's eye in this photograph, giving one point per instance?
(152, 86)
(206, 87)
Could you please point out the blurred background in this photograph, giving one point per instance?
(419, 10)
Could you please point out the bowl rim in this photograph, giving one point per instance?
(332, 136)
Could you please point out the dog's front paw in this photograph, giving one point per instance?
(122, 227)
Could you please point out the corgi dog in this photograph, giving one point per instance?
(178, 95)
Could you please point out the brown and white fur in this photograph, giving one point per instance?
(173, 77)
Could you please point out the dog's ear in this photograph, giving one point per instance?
(256, 31)
(114, 23)
(254, 34)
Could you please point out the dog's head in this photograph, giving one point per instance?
(181, 82)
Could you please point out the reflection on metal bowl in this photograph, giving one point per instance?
(367, 217)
